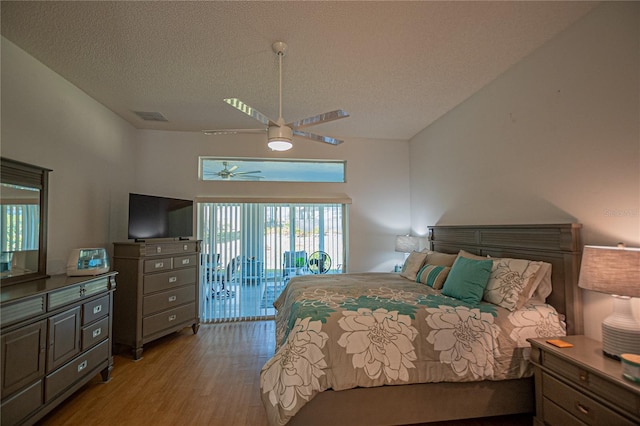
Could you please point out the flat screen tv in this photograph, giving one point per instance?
(159, 217)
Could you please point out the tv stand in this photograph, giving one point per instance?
(157, 291)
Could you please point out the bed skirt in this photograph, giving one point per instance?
(418, 403)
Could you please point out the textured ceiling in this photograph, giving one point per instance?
(394, 66)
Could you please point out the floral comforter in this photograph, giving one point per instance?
(372, 329)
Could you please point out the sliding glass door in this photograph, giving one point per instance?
(251, 250)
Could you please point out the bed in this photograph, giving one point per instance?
(328, 369)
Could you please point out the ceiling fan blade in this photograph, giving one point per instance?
(250, 111)
(232, 131)
(318, 119)
(233, 168)
(247, 177)
(318, 138)
(247, 173)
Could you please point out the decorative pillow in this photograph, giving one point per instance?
(471, 255)
(511, 282)
(412, 265)
(468, 279)
(542, 287)
(433, 275)
(441, 259)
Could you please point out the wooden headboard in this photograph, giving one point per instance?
(558, 244)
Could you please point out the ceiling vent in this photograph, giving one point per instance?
(151, 115)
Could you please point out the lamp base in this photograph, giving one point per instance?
(620, 330)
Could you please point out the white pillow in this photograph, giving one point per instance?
(511, 282)
(441, 259)
(542, 287)
(412, 265)
(472, 256)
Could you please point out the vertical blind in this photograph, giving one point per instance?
(250, 251)
(21, 227)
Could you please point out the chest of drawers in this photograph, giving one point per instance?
(580, 386)
(56, 336)
(159, 283)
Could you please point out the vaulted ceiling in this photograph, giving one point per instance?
(394, 66)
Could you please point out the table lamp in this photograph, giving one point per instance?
(406, 244)
(615, 271)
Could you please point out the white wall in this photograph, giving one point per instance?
(48, 122)
(554, 139)
(377, 182)
(97, 159)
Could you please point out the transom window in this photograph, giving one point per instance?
(271, 170)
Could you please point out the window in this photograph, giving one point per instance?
(272, 170)
(251, 250)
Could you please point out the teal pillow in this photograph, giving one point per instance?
(467, 279)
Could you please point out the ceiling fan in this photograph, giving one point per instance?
(279, 134)
(228, 173)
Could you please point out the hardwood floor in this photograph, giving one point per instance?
(211, 378)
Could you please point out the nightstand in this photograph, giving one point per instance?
(579, 385)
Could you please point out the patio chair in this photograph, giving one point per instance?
(295, 263)
(252, 271)
(222, 279)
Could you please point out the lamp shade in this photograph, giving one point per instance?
(611, 270)
(406, 243)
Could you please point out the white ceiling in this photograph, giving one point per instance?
(394, 66)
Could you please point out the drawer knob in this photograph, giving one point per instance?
(173, 279)
(185, 247)
(172, 318)
(584, 376)
(97, 332)
(97, 309)
(185, 261)
(82, 366)
(159, 265)
(172, 298)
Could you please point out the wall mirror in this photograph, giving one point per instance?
(23, 219)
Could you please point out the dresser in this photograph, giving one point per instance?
(157, 291)
(56, 336)
(580, 386)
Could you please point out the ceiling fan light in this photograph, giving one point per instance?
(280, 138)
(279, 145)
